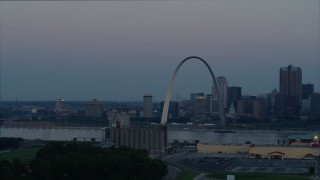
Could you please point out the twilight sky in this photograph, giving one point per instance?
(121, 50)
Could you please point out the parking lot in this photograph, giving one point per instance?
(210, 163)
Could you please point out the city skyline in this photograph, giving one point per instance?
(118, 51)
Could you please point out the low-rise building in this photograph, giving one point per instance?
(301, 146)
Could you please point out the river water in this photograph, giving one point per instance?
(238, 137)
(58, 134)
(204, 136)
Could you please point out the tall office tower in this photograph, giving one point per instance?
(223, 84)
(147, 105)
(192, 107)
(307, 90)
(61, 104)
(200, 107)
(315, 106)
(209, 104)
(290, 86)
(272, 102)
(234, 94)
(279, 109)
(215, 104)
(94, 108)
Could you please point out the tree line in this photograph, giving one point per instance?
(60, 160)
(9, 142)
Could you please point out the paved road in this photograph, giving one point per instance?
(173, 164)
(202, 177)
(173, 173)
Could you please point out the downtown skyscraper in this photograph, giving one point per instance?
(147, 105)
(290, 88)
(234, 94)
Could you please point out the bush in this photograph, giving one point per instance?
(312, 170)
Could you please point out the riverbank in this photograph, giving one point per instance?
(204, 129)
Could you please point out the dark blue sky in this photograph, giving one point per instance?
(122, 50)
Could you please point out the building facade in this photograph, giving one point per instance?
(94, 109)
(272, 103)
(315, 106)
(259, 109)
(151, 139)
(290, 86)
(61, 104)
(200, 107)
(209, 104)
(147, 105)
(245, 106)
(306, 90)
(234, 94)
(280, 105)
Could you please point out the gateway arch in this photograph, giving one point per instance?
(164, 116)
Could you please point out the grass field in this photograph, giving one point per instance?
(24, 155)
(258, 176)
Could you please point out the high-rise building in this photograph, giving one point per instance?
(223, 84)
(214, 104)
(200, 107)
(61, 104)
(279, 109)
(259, 108)
(307, 90)
(272, 102)
(315, 106)
(147, 105)
(191, 110)
(305, 107)
(94, 108)
(209, 104)
(234, 94)
(290, 86)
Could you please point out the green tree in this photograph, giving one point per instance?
(60, 160)
(41, 169)
(5, 170)
(19, 170)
